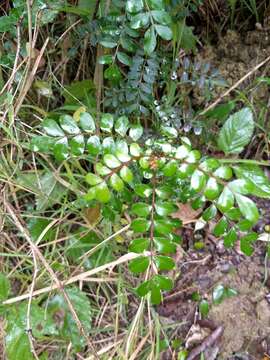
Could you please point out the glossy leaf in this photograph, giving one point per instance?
(116, 182)
(164, 192)
(87, 123)
(182, 152)
(52, 128)
(164, 262)
(164, 245)
(122, 125)
(169, 131)
(93, 145)
(170, 168)
(105, 59)
(209, 165)
(211, 190)
(140, 225)
(161, 17)
(224, 172)
(254, 174)
(233, 214)
(198, 180)
(111, 161)
(139, 264)
(242, 186)
(209, 213)
(106, 122)
(218, 294)
(155, 295)
(164, 32)
(139, 21)
(163, 282)
(144, 162)
(108, 145)
(143, 190)
(126, 174)
(77, 145)
(144, 288)
(141, 209)
(68, 124)
(121, 151)
(236, 132)
(244, 225)
(230, 238)
(246, 243)
(102, 170)
(124, 58)
(139, 245)
(61, 150)
(102, 192)
(193, 156)
(43, 144)
(134, 6)
(113, 74)
(204, 308)
(135, 132)
(185, 170)
(164, 208)
(17, 346)
(226, 200)
(156, 4)
(163, 227)
(248, 208)
(150, 41)
(93, 179)
(135, 149)
(221, 227)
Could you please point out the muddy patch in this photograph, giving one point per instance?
(235, 55)
(244, 317)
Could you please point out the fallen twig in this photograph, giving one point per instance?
(209, 341)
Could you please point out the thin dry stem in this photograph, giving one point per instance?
(59, 285)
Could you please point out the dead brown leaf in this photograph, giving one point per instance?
(186, 214)
(92, 215)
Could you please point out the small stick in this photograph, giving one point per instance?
(30, 79)
(85, 276)
(234, 86)
(58, 283)
(209, 341)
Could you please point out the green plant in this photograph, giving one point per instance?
(95, 181)
(251, 5)
(145, 177)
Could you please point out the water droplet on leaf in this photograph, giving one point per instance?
(187, 127)
(174, 75)
(197, 130)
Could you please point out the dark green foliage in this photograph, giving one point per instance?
(157, 171)
(78, 168)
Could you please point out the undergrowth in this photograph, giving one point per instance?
(99, 138)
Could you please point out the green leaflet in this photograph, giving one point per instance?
(236, 132)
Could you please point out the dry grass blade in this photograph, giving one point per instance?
(234, 86)
(38, 254)
(80, 277)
